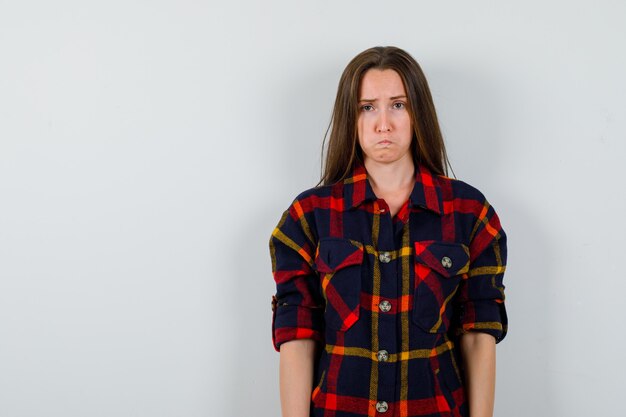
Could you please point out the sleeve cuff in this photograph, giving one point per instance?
(296, 322)
(487, 316)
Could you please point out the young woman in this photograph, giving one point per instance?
(389, 296)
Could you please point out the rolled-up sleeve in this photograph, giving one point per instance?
(481, 294)
(298, 304)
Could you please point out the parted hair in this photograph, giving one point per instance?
(344, 152)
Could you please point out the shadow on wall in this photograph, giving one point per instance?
(526, 385)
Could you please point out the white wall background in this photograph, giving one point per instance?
(148, 148)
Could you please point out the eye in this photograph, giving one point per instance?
(399, 105)
(367, 107)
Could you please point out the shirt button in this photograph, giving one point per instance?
(383, 355)
(446, 262)
(384, 257)
(384, 306)
(382, 406)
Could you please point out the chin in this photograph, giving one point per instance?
(385, 159)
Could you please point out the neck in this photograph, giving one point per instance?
(390, 177)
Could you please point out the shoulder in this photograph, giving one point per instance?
(461, 189)
(466, 200)
(314, 198)
(470, 203)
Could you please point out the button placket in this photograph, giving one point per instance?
(387, 253)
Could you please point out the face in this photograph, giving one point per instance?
(384, 124)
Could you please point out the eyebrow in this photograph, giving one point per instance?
(371, 100)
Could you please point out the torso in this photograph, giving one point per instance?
(384, 297)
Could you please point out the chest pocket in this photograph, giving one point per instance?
(439, 268)
(338, 262)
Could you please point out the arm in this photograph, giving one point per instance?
(483, 320)
(479, 355)
(297, 322)
(296, 377)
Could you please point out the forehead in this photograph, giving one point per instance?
(378, 83)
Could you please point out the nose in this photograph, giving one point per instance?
(383, 124)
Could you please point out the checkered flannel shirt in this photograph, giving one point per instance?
(387, 298)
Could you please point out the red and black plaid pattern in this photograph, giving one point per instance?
(388, 297)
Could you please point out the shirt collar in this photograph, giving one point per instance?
(426, 192)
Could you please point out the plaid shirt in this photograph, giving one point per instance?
(388, 297)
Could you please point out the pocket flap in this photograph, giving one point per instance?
(446, 258)
(335, 253)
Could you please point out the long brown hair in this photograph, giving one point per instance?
(344, 151)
